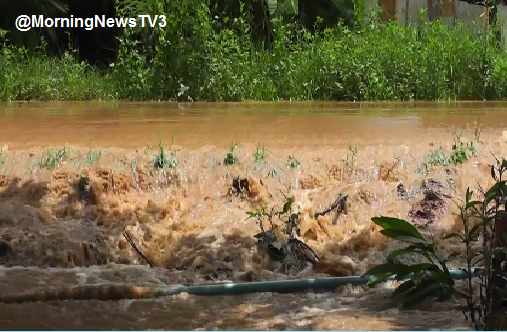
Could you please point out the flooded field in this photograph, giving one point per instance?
(74, 177)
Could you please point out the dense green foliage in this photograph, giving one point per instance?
(483, 237)
(203, 54)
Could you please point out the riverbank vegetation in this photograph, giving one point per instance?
(219, 54)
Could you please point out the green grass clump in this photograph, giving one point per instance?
(437, 157)
(93, 156)
(52, 159)
(292, 162)
(164, 160)
(37, 76)
(462, 151)
(230, 158)
(260, 155)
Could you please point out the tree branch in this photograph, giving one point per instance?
(55, 5)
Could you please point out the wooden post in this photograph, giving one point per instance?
(388, 9)
(407, 17)
(398, 11)
(448, 8)
(433, 9)
(485, 17)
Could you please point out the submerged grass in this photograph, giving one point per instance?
(377, 61)
(52, 159)
(460, 153)
(164, 159)
(230, 158)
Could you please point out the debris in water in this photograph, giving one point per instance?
(340, 203)
(241, 185)
(133, 245)
(7, 253)
(402, 192)
(432, 206)
(294, 255)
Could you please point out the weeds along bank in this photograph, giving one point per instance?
(193, 59)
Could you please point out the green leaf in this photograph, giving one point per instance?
(272, 7)
(287, 205)
(468, 195)
(473, 234)
(289, 7)
(401, 252)
(421, 291)
(472, 204)
(397, 224)
(504, 164)
(448, 257)
(378, 278)
(494, 191)
(422, 270)
(412, 249)
(401, 236)
(389, 268)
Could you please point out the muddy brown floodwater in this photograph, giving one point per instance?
(58, 231)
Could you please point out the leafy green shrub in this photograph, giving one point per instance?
(433, 279)
(200, 55)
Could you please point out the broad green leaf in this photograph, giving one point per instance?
(289, 7)
(378, 278)
(493, 172)
(494, 191)
(468, 195)
(272, 7)
(402, 236)
(401, 252)
(423, 267)
(504, 164)
(413, 249)
(473, 234)
(446, 258)
(472, 204)
(397, 224)
(287, 205)
(421, 291)
(390, 268)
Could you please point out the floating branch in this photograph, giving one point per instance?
(133, 245)
(340, 202)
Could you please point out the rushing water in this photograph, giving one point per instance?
(187, 223)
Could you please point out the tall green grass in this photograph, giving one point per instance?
(28, 75)
(192, 59)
